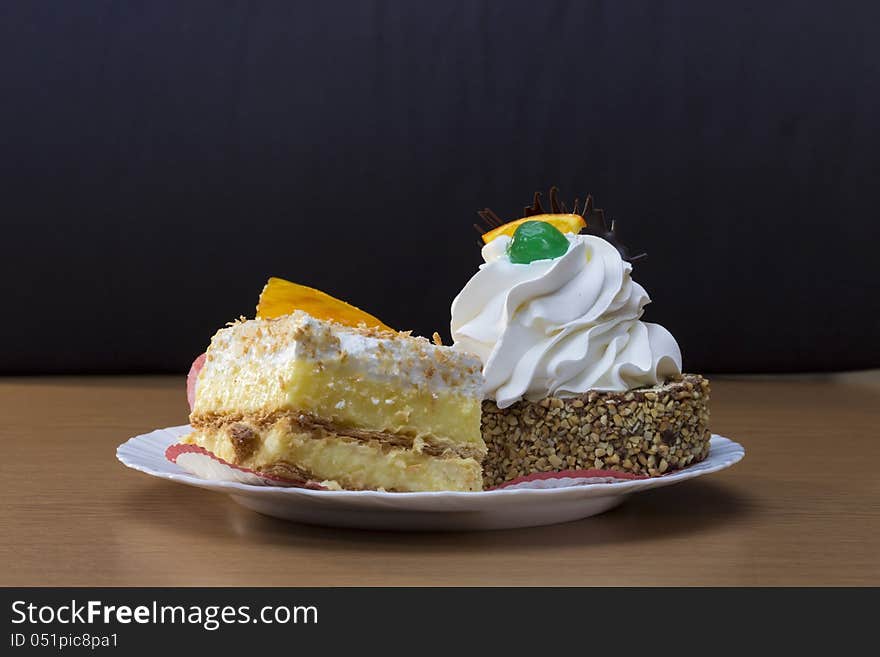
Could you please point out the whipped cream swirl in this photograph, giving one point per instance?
(560, 327)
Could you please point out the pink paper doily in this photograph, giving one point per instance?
(199, 461)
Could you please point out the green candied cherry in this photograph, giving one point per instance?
(536, 240)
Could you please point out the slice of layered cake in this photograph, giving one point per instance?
(307, 399)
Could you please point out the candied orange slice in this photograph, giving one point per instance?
(565, 223)
(280, 297)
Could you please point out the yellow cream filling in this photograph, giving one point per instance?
(334, 393)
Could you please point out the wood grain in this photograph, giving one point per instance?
(802, 508)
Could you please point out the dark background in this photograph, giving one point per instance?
(159, 160)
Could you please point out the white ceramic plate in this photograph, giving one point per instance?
(507, 508)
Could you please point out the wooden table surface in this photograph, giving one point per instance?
(803, 507)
